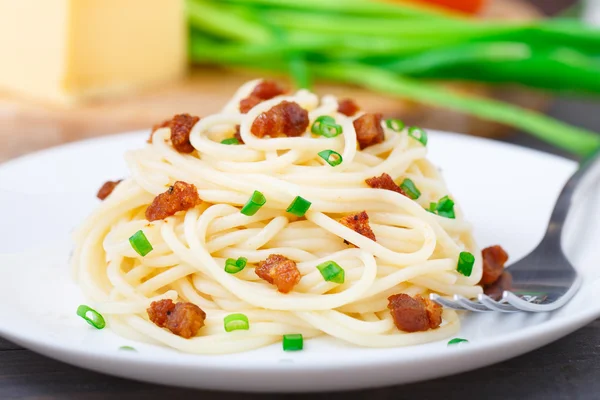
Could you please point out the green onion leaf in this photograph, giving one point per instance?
(256, 201)
(445, 207)
(234, 266)
(332, 272)
(299, 206)
(140, 243)
(395, 124)
(127, 348)
(93, 317)
(230, 141)
(466, 261)
(333, 158)
(326, 126)
(457, 341)
(408, 187)
(236, 322)
(432, 207)
(293, 342)
(418, 134)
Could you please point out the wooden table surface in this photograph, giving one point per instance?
(566, 369)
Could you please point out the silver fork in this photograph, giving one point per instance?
(544, 280)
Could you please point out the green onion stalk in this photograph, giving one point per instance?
(391, 48)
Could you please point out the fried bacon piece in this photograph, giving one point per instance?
(359, 223)
(183, 319)
(265, 90)
(181, 126)
(416, 314)
(237, 134)
(179, 197)
(107, 189)
(496, 289)
(285, 119)
(384, 181)
(280, 271)
(368, 130)
(348, 107)
(494, 258)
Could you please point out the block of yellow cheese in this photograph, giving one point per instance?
(69, 50)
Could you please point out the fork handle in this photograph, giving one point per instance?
(563, 203)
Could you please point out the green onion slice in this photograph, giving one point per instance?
(299, 206)
(395, 124)
(445, 207)
(408, 187)
(236, 322)
(432, 207)
(457, 341)
(230, 141)
(93, 317)
(234, 266)
(332, 272)
(293, 342)
(256, 201)
(326, 126)
(127, 348)
(466, 261)
(418, 134)
(140, 243)
(333, 158)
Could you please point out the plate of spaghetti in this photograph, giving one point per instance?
(289, 242)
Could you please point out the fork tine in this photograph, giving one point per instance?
(470, 305)
(495, 305)
(446, 302)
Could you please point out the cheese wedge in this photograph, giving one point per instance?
(69, 50)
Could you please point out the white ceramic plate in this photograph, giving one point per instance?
(506, 191)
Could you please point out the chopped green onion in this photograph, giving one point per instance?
(408, 187)
(127, 348)
(95, 319)
(293, 342)
(299, 206)
(445, 207)
(234, 266)
(332, 272)
(256, 201)
(457, 341)
(140, 243)
(465, 263)
(431, 208)
(333, 158)
(230, 141)
(395, 124)
(326, 126)
(418, 134)
(236, 322)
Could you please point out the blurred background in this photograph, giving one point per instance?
(73, 70)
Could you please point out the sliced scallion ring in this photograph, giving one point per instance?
(418, 134)
(93, 317)
(326, 126)
(395, 124)
(236, 322)
(256, 201)
(332, 158)
(299, 206)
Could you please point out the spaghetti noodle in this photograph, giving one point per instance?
(415, 252)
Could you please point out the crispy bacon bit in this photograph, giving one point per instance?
(368, 130)
(265, 90)
(280, 271)
(179, 197)
(107, 189)
(359, 223)
(416, 314)
(494, 258)
(285, 119)
(348, 107)
(181, 126)
(237, 134)
(384, 181)
(496, 289)
(183, 319)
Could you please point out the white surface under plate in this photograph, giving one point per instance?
(507, 192)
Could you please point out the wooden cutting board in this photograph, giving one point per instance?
(27, 126)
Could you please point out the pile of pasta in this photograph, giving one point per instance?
(415, 251)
